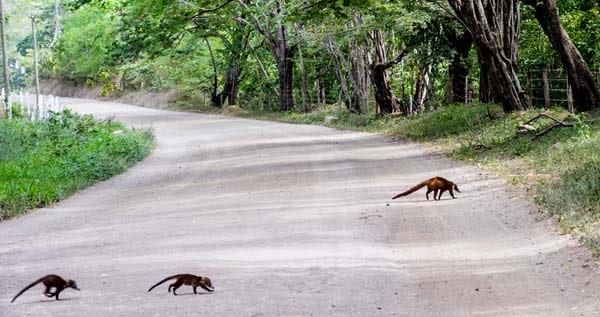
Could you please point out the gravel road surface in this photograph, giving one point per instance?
(291, 220)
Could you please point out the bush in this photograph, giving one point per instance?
(43, 162)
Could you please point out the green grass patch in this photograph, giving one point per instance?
(43, 162)
(562, 168)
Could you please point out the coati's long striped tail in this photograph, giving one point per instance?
(413, 189)
(166, 279)
(26, 288)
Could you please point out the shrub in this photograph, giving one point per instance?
(46, 161)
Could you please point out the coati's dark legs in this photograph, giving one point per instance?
(427, 194)
(58, 293)
(175, 286)
(451, 193)
(435, 192)
(441, 192)
(195, 289)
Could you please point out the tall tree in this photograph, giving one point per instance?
(504, 21)
(585, 90)
(268, 18)
(384, 96)
(492, 39)
(460, 41)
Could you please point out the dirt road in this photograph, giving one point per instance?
(291, 220)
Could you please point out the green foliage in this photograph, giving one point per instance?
(581, 20)
(574, 196)
(447, 121)
(43, 162)
(84, 50)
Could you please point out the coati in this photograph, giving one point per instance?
(51, 281)
(435, 185)
(187, 279)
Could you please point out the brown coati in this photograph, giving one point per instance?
(51, 281)
(435, 185)
(187, 279)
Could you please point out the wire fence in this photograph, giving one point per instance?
(542, 87)
(547, 87)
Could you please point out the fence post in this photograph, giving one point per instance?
(466, 90)
(9, 106)
(569, 96)
(260, 100)
(547, 103)
(529, 88)
(270, 100)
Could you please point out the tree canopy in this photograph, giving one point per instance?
(380, 56)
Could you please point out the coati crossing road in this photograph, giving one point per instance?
(187, 279)
(50, 281)
(435, 185)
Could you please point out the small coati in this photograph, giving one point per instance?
(187, 279)
(51, 281)
(435, 185)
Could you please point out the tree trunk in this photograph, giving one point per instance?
(491, 43)
(458, 70)
(341, 66)
(422, 89)
(360, 76)
(235, 58)
(304, 84)
(504, 20)
(273, 29)
(359, 69)
(581, 79)
(384, 96)
(283, 54)
(232, 85)
(216, 99)
(487, 91)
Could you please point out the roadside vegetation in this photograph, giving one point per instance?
(43, 162)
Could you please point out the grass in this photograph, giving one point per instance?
(43, 162)
(561, 168)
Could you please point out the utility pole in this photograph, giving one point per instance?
(35, 64)
(4, 56)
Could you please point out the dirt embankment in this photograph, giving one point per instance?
(143, 98)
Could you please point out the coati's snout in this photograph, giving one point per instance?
(72, 285)
(456, 188)
(207, 284)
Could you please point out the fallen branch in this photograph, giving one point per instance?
(526, 127)
(550, 128)
(549, 117)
